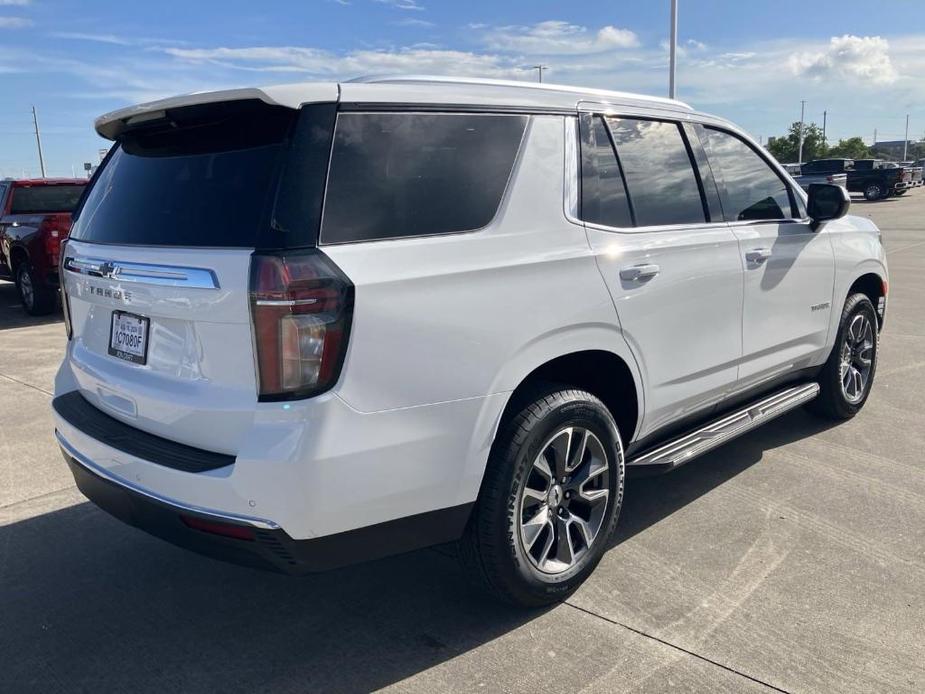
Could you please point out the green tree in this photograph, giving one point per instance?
(787, 147)
(852, 148)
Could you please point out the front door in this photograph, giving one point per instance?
(673, 271)
(789, 268)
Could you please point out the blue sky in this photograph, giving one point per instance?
(751, 61)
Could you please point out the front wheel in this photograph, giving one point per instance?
(549, 501)
(847, 377)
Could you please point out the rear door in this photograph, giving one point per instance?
(156, 270)
(789, 268)
(671, 265)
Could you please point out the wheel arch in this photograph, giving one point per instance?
(874, 286)
(18, 256)
(601, 372)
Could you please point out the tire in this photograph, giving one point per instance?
(836, 400)
(515, 560)
(873, 191)
(37, 298)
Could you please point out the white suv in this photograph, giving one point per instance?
(319, 323)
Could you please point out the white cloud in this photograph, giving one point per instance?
(95, 38)
(14, 22)
(15, 3)
(853, 57)
(412, 22)
(555, 37)
(314, 62)
(403, 4)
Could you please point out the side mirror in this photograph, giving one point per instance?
(826, 202)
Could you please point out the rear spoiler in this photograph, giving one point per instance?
(111, 125)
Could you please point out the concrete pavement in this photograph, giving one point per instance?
(792, 559)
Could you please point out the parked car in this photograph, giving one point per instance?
(916, 171)
(837, 179)
(875, 182)
(35, 217)
(314, 324)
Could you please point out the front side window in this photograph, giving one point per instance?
(397, 175)
(752, 190)
(660, 179)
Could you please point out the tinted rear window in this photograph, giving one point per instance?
(603, 197)
(404, 174)
(208, 176)
(47, 198)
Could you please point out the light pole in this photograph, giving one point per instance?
(906, 139)
(539, 69)
(673, 49)
(802, 115)
(38, 141)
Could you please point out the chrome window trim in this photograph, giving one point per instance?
(95, 469)
(143, 273)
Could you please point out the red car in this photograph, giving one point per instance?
(35, 217)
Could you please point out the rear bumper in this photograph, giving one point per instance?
(257, 542)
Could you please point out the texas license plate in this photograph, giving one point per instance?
(128, 337)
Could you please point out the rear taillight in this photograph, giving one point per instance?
(301, 307)
(54, 229)
(62, 282)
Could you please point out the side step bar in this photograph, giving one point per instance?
(679, 451)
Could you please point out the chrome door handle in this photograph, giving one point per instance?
(637, 273)
(758, 255)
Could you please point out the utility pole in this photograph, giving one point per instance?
(802, 115)
(673, 49)
(906, 139)
(539, 69)
(825, 142)
(38, 141)
(875, 138)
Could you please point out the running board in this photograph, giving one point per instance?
(679, 451)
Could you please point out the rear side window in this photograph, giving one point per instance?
(657, 169)
(396, 175)
(199, 176)
(45, 198)
(751, 189)
(603, 195)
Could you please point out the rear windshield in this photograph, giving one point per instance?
(207, 176)
(45, 198)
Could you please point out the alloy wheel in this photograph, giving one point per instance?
(26, 290)
(857, 356)
(564, 500)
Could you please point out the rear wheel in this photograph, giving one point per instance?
(549, 500)
(848, 375)
(873, 191)
(36, 296)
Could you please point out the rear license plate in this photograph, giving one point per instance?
(128, 337)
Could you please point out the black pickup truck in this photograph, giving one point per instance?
(866, 176)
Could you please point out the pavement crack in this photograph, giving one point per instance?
(681, 649)
(28, 385)
(35, 498)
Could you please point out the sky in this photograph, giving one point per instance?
(751, 61)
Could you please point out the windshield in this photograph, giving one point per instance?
(45, 198)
